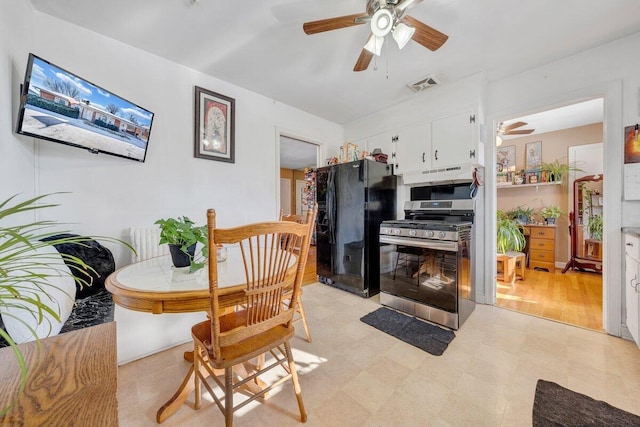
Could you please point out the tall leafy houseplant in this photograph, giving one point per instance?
(184, 234)
(509, 237)
(25, 273)
(595, 227)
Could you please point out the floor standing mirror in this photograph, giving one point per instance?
(586, 225)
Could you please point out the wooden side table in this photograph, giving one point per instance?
(593, 249)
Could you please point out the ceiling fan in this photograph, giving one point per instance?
(384, 16)
(512, 129)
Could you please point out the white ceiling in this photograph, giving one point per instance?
(570, 116)
(295, 154)
(260, 45)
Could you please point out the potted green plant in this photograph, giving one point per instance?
(557, 170)
(551, 213)
(509, 237)
(595, 227)
(28, 272)
(521, 214)
(182, 235)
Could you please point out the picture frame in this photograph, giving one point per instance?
(533, 155)
(632, 144)
(506, 158)
(214, 126)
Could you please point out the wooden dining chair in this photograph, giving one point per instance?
(272, 266)
(299, 315)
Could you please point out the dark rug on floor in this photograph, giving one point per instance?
(557, 406)
(411, 330)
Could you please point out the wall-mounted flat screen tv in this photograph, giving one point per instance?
(60, 106)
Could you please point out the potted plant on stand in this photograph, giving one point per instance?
(509, 236)
(182, 235)
(550, 214)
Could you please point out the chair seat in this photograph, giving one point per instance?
(243, 351)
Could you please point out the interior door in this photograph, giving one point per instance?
(301, 206)
(285, 195)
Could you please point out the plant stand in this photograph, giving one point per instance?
(512, 262)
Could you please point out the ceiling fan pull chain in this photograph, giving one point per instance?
(386, 48)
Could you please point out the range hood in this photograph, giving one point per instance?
(447, 175)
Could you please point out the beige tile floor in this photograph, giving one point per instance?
(354, 375)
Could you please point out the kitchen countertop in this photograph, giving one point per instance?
(632, 230)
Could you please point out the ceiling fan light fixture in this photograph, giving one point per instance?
(402, 33)
(374, 44)
(382, 22)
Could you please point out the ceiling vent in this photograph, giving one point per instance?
(424, 83)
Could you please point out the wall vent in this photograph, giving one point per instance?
(424, 83)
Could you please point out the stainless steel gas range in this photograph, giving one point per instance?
(425, 261)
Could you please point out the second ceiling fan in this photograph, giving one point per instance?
(512, 129)
(384, 16)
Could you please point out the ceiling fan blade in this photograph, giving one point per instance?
(428, 37)
(333, 23)
(363, 60)
(406, 4)
(513, 126)
(520, 132)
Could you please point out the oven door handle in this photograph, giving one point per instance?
(421, 243)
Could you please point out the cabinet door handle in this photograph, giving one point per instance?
(629, 244)
(436, 154)
(423, 157)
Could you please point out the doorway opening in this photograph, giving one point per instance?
(538, 157)
(299, 159)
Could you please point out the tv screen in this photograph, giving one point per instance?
(60, 106)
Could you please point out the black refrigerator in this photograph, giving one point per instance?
(353, 199)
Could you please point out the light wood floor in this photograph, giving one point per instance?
(310, 275)
(574, 297)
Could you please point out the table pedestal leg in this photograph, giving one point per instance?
(179, 397)
(188, 385)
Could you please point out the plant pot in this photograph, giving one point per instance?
(179, 258)
(550, 221)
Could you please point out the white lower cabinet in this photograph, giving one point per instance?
(631, 286)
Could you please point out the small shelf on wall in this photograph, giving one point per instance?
(537, 184)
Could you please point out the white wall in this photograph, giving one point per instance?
(609, 71)
(109, 194)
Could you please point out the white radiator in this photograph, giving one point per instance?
(145, 242)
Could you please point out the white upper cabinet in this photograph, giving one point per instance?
(454, 140)
(383, 141)
(412, 148)
(448, 141)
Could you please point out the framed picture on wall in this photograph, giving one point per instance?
(215, 126)
(533, 155)
(506, 158)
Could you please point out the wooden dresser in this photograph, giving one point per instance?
(542, 246)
